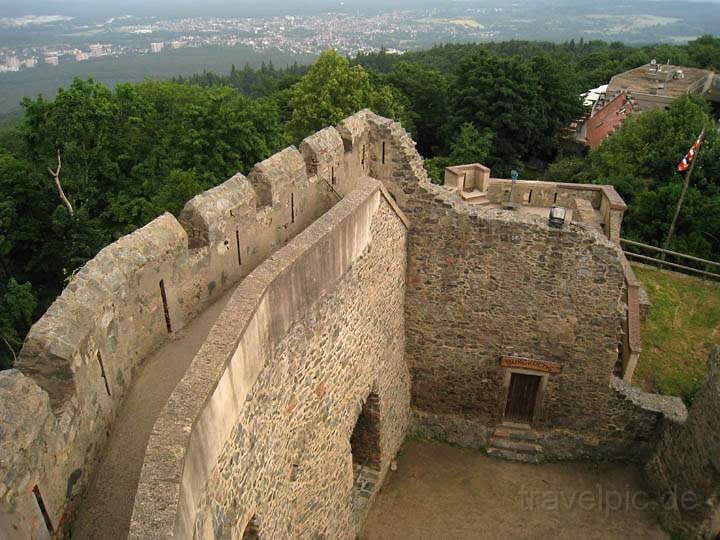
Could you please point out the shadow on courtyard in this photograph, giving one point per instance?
(440, 491)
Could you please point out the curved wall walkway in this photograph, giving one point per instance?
(106, 508)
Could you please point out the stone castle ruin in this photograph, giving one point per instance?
(367, 304)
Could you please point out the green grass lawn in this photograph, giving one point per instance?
(682, 327)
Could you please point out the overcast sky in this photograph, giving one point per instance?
(13, 8)
(175, 8)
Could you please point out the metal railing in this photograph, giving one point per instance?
(661, 262)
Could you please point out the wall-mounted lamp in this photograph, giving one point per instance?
(557, 217)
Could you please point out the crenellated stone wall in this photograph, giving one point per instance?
(261, 423)
(684, 470)
(352, 325)
(120, 307)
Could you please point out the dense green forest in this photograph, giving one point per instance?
(131, 153)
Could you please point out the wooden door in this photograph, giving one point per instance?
(521, 398)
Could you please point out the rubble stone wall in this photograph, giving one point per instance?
(120, 307)
(484, 283)
(260, 426)
(684, 470)
(338, 305)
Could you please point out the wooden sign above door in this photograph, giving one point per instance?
(528, 363)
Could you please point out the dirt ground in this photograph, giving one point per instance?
(444, 492)
(106, 509)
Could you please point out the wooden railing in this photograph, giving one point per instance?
(661, 262)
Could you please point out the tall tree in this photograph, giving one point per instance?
(426, 88)
(332, 90)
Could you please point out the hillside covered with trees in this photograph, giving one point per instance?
(132, 153)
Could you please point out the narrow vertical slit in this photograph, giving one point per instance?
(43, 510)
(237, 243)
(555, 198)
(251, 530)
(292, 207)
(362, 162)
(383, 153)
(102, 372)
(530, 197)
(165, 306)
(332, 175)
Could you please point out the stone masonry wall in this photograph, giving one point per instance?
(481, 284)
(684, 470)
(317, 379)
(260, 426)
(484, 283)
(121, 306)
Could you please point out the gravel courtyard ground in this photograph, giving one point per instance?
(444, 492)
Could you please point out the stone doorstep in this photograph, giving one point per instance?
(514, 456)
(515, 443)
(517, 434)
(516, 446)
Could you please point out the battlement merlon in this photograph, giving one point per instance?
(204, 216)
(274, 177)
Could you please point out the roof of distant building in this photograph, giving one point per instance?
(677, 80)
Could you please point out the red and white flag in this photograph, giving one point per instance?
(684, 165)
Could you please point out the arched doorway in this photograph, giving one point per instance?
(366, 455)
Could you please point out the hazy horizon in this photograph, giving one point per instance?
(172, 8)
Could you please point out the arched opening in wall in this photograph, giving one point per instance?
(365, 449)
(251, 530)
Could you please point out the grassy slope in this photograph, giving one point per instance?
(683, 325)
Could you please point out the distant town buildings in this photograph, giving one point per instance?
(348, 34)
(100, 49)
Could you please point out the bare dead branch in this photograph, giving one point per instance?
(11, 349)
(56, 176)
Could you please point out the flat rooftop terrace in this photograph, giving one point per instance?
(598, 206)
(440, 491)
(639, 80)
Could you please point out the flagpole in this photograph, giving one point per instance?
(686, 185)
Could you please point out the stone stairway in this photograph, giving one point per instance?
(515, 444)
(475, 197)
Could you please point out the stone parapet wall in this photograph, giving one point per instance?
(684, 470)
(542, 193)
(278, 384)
(632, 344)
(119, 308)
